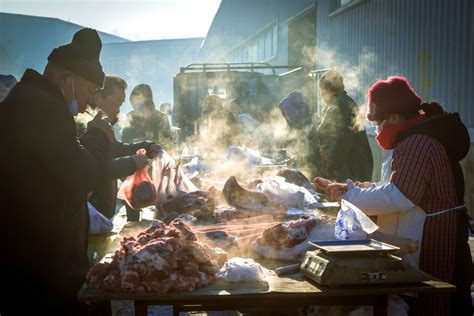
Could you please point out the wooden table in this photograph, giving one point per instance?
(288, 292)
(277, 293)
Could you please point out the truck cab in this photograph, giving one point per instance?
(254, 88)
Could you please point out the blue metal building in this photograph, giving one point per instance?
(431, 42)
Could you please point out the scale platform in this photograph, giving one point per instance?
(358, 262)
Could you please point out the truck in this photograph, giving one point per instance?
(255, 86)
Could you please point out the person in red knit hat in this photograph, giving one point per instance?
(422, 196)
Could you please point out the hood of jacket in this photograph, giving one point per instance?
(446, 128)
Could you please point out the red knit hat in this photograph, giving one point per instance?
(391, 96)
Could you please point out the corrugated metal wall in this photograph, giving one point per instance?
(428, 41)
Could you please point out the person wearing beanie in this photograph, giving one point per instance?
(48, 174)
(344, 151)
(421, 196)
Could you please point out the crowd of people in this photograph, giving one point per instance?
(52, 166)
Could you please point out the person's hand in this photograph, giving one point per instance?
(141, 161)
(363, 185)
(335, 190)
(322, 183)
(103, 124)
(153, 150)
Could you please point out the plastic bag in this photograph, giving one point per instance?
(138, 190)
(250, 155)
(292, 195)
(352, 223)
(98, 222)
(169, 178)
(241, 270)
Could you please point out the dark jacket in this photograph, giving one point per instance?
(348, 148)
(449, 130)
(120, 165)
(452, 134)
(219, 129)
(148, 124)
(46, 175)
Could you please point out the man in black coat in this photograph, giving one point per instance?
(46, 175)
(124, 160)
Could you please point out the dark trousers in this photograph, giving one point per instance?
(461, 303)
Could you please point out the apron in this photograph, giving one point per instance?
(409, 224)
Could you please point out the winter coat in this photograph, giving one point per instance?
(347, 146)
(218, 130)
(121, 165)
(149, 124)
(46, 175)
(426, 170)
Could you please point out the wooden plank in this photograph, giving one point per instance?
(275, 287)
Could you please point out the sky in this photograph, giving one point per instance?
(134, 20)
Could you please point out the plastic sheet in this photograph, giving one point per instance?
(241, 270)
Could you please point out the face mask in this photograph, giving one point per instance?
(73, 105)
(387, 134)
(139, 106)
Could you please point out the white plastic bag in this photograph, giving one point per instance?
(250, 156)
(195, 166)
(352, 223)
(290, 194)
(98, 222)
(241, 270)
(169, 178)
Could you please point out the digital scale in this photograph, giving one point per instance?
(358, 262)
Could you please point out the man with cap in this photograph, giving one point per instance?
(47, 174)
(422, 195)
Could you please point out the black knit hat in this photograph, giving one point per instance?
(81, 56)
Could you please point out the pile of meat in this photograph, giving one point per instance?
(287, 241)
(162, 259)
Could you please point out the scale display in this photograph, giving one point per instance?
(358, 262)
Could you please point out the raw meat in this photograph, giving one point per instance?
(162, 259)
(239, 197)
(287, 241)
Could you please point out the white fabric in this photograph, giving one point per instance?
(446, 210)
(386, 171)
(169, 178)
(396, 215)
(98, 222)
(292, 195)
(241, 270)
(377, 200)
